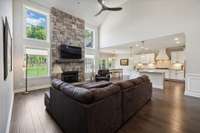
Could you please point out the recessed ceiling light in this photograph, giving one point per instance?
(137, 45)
(146, 48)
(178, 42)
(176, 39)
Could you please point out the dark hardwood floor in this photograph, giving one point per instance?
(168, 112)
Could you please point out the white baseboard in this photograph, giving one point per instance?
(193, 94)
(192, 85)
(10, 115)
(32, 88)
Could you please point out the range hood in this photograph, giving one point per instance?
(162, 55)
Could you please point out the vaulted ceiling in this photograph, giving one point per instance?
(85, 9)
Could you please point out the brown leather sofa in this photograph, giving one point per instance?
(81, 110)
(97, 108)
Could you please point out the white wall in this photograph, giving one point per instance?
(20, 43)
(6, 87)
(146, 19)
(118, 57)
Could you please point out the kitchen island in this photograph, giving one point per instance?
(157, 77)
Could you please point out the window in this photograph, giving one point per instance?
(89, 63)
(36, 25)
(89, 67)
(38, 62)
(89, 38)
(107, 63)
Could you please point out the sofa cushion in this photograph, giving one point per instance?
(140, 80)
(91, 95)
(56, 83)
(137, 81)
(66, 85)
(101, 93)
(124, 84)
(78, 93)
(96, 84)
(145, 78)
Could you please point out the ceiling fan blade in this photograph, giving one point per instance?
(101, 2)
(99, 12)
(114, 9)
(104, 8)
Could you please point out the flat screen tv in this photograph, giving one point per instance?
(70, 52)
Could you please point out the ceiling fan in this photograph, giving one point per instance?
(106, 8)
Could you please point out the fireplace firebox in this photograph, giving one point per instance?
(70, 77)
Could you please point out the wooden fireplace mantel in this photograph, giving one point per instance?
(60, 61)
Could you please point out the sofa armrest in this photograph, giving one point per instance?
(97, 75)
(67, 112)
(108, 75)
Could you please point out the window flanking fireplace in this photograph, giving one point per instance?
(70, 76)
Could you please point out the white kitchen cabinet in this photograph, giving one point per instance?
(179, 75)
(152, 59)
(177, 57)
(144, 58)
(136, 59)
(167, 74)
(170, 74)
(175, 75)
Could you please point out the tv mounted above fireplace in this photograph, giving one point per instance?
(70, 52)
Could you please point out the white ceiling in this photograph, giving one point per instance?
(151, 45)
(85, 9)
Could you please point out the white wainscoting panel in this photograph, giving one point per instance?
(193, 85)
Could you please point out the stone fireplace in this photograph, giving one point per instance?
(70, 76)
(69, 30)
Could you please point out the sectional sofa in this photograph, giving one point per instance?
(101, 107)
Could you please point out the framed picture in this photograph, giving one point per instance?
(124, 62)
(7, 48)
(5, 68)
(10, 47)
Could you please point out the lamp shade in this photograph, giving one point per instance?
(57, 69)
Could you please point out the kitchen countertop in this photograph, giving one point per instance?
(152, 71)
(161, 70)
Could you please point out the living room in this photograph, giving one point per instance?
(134, 63)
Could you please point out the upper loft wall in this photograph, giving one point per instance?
(144, 19)
(147, 19)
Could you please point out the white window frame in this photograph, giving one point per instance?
(49, 62)
(25, 7)
(91, 57)
(94, 38)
